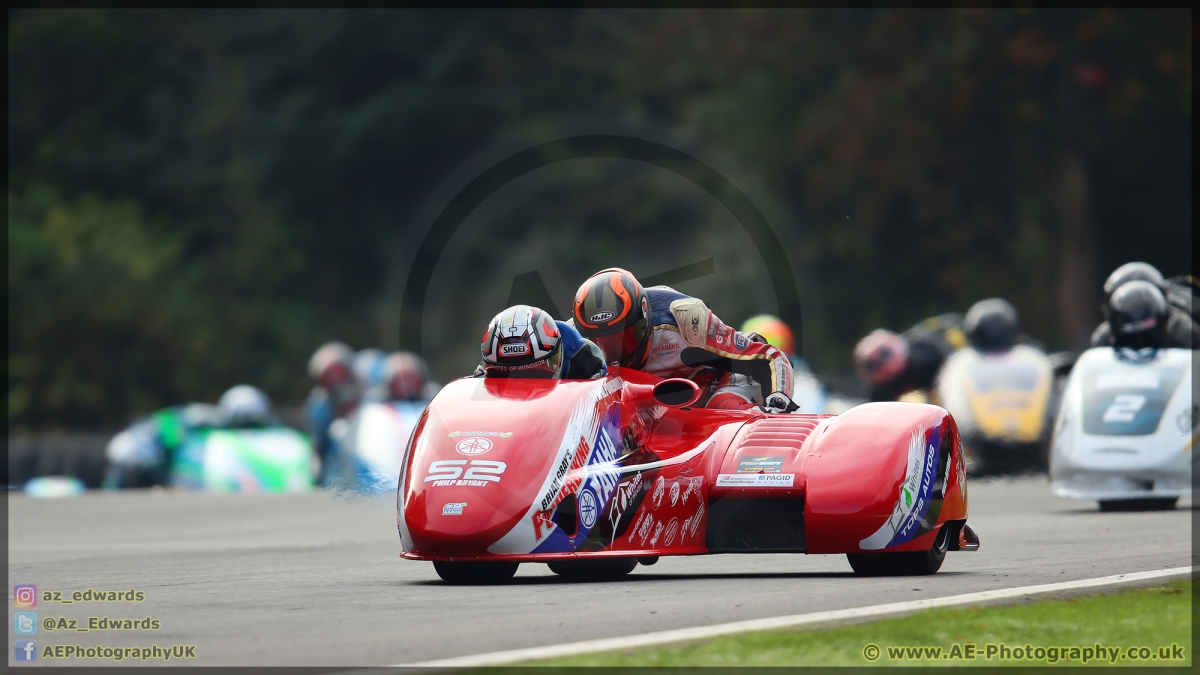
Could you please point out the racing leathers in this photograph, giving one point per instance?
(732, 369)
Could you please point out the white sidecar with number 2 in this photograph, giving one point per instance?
(1126, 429)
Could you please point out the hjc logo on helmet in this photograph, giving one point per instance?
(601, 316)
(515, 349)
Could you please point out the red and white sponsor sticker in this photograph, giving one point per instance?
(660, 489)
(645, 529)
(658, 528)
(696, 518)
(755, 479)
(672, 529)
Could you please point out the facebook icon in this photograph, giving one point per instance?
(25, 650)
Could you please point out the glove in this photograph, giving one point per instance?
(779, 402)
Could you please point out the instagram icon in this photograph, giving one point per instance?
(25, 595)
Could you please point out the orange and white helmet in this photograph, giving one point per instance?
(522, 341)
(613, 310)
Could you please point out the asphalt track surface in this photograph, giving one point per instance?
(315, 580)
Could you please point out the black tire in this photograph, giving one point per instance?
(1147, 504)
(595, 569)
(475, 572)
(903, 564)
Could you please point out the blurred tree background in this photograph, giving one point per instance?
(198, 198)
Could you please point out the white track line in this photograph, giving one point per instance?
(703, 632)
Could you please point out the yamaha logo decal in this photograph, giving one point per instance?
(473, 446)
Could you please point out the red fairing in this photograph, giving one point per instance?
(488, 449)
(540, 470)
(872, 470)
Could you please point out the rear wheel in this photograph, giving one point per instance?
(475, 572)
(1148, 504)
(904, 563)
(594, 569)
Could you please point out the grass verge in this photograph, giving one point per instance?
(1150, 618)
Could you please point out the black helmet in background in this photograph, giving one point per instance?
(1138, 315)
(1133, 271)
(991, 325)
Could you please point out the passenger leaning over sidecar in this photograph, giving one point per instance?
(668, 334)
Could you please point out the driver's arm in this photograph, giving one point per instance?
(727, 349)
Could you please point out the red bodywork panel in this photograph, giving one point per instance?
(537, 470)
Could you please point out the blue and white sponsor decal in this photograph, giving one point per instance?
(601, 473)
(916, 493)
(586, 459)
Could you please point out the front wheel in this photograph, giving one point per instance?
(474, 572)
(904, 563)
(593, 569)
